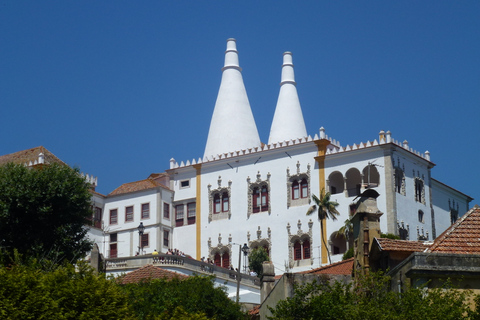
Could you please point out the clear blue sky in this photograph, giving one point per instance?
(118, 88)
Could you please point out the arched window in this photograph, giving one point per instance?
(216, 203)
(338, 243)
(354, 182)
(225, 260)
(304, 188)
(371, 177)
(399, 180)
(225, 202)
(260, 199)
(306, 249)
(419, 191)
(335, 181)
(295, 190)
(301, 250)
(297, 250)
(218, 259)
(421, 216)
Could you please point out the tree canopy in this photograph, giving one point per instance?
(61, 292)
(43, 211)
(255, 259)
(196, 296)
(371, 298)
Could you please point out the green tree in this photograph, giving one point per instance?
(196, 296)
(325, 208)
(64, 292)
(43, 211)
(371, 298)
(255, 259)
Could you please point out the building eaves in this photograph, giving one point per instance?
(447, 186)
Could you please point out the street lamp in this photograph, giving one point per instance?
(141, 229)
(245, 250)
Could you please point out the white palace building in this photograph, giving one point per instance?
(244, 191)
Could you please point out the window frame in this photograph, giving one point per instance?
(225, 201)
(129, 216)
(179, 221)
(191, 218)
(166, 238)
(166, 210)
(295, 190)
(145, 241)
(142, 211)
(113, 218)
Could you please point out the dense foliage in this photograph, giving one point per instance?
(371, 299)
(43, 212)
(167, 299)
(63, 292)
(255, 259)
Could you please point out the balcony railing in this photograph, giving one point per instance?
(167, 260)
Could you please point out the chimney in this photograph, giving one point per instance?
(268, 280)
(366, 226)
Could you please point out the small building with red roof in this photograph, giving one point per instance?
(454, 255)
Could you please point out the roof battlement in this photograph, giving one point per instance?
(334, 148)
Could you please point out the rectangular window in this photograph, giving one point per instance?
(144, 240)
(113, 250)
(128, 213)
(179, 215)
(166, 210)
(165, 238)
(113, 216)
(97, 219)
(185, 184)
(304, 186)
(145, 210)
(191, 212)
(113, 237)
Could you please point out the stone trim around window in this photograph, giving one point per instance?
(258, 183)
(220, 191)
(299, 176)
(302, 236)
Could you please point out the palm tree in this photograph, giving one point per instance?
(326, 209)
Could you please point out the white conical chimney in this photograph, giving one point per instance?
(288, 120)
(232, 127)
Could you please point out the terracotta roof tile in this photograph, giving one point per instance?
(344, 267)
(462, 237)
(402, 245)
(254, 311)
(25, 156)
(137, 186)
(149, 272)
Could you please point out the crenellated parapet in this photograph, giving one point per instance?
(90, 179)
(333, 148)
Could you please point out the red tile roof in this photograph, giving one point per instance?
(344, 267)
(25, 156)
(462, 237)
(401, 245)
(149, 272)
(137, 186)
(255, 311)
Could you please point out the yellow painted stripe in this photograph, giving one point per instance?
(320, 158)
(198, 218)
